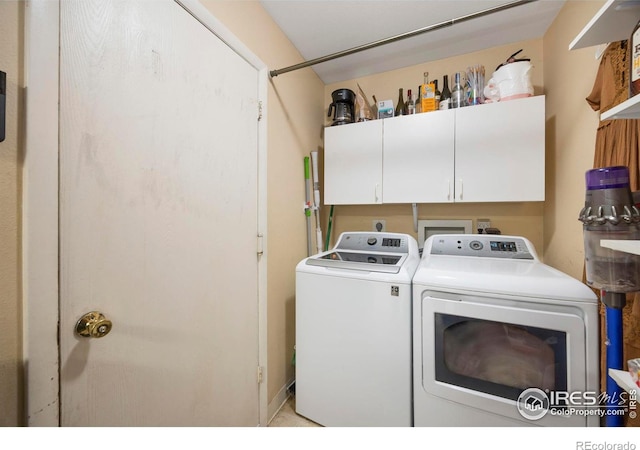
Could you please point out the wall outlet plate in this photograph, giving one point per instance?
(482, 225)
(379, 225)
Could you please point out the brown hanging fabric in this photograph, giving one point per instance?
(616, 140)
(617, 144)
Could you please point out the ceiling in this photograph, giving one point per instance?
(321, 27)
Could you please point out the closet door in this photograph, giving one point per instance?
(158, 219)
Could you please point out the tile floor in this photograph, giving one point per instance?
(287, 416)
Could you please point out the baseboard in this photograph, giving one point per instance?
(280, 399)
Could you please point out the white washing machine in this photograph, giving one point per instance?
(353, 331)
(493, 326)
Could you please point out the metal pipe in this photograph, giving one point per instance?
(399, 37)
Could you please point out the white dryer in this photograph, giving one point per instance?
(353, 331)
(492, 327)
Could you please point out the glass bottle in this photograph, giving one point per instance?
(458, 96)
(634, 61)
(418, 102)
(411, 106)
(374, 107)
(401, 107)
(428, 94)
(445, 95)
(438, 94)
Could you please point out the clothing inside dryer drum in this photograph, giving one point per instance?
(503, 354)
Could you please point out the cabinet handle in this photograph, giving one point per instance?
(461, 190)
(376, 193)
(448, 189)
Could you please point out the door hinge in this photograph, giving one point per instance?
(260, 376)
(259, 110)
(260, 244)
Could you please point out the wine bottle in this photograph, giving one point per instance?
(428, 95)
(445, 96)
(437, 95)
(411, 106)
(418, 101)
(634, 61)
(401, 107)
(458, 97)
(374, 107)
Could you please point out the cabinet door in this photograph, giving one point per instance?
(353, 164)
(418, 158)
(500, 151)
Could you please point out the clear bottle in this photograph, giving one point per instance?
(411, 105)
(445, 95)
(438, 94)
(418, 102)
(634, 61)
(458, 96)
(401, 107)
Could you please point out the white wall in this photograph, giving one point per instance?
(570, 134)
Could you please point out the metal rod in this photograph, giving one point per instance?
(389, 40)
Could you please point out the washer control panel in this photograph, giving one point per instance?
(488, 246)
(373, 242)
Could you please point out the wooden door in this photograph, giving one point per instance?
(158, 219)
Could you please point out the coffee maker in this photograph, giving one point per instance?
(343, 106)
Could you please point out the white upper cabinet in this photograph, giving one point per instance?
(353, 164)
(418, 158)
(499, 149)
(483, 153)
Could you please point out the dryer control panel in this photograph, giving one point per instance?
(487, 246)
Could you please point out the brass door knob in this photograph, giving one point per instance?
(93, 324)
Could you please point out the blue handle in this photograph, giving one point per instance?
(613, 317)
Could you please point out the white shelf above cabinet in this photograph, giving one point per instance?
(629, 109)
(627, 246)
(614, 22)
